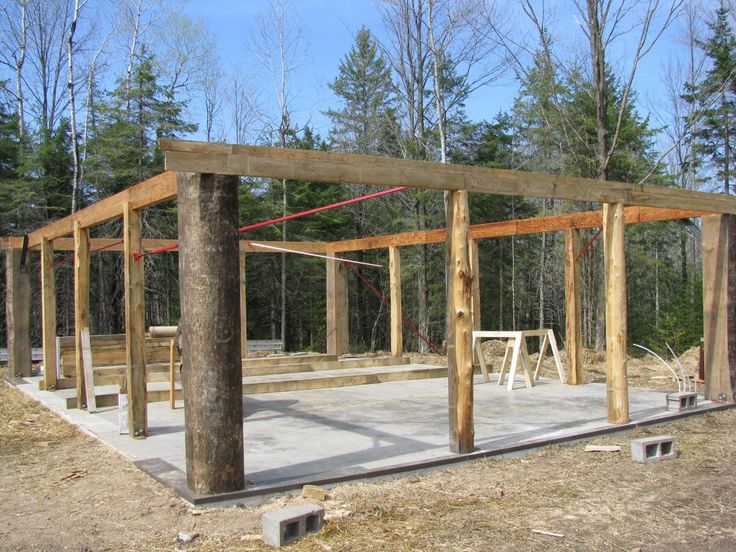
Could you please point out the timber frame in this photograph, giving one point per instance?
(622, 204)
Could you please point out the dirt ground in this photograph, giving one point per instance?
(62, 490)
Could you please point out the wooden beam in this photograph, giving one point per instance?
(48, 314)
(580, 220)
(81, 304)
(345, 168)
(338, 339)
(135, 324)
(475, 270)
(573, 308)
(460, 328)
(719, 307)
(154, 190)
(243, 308)
(210, 324)
(616, 313)
(397, 319)
(18, 313)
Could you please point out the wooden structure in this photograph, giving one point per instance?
(194, 161)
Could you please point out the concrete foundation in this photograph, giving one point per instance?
(324, 436)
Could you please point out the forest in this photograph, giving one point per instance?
(87, 88)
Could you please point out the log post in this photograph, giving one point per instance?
(337, 308)
(243, 308)
(397, 322)
(48, 314)
(135, 324)
(210, 323)
(460, 326)
(18, 313)
(719, 307)
(617, 390)
(573, 306)
(81, 305)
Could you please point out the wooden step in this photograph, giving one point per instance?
(275, 383)
(110, 375)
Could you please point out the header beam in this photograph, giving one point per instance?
(345, 168)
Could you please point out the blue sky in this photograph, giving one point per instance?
(328, 30)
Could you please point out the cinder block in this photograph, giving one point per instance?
(684, 400)
(651, 449)
(287, 525)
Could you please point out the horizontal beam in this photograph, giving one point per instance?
(345, 168)
(116, 244)
(579, 220)
(150, 192)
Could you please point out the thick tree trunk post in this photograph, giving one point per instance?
(135, 324)
(573, 307)
(616, 326)
(719, 307)
(337, 308)
(18, 314)
(397, 322)
(81, 305)
(210, 322)
(243, 308)
(48, 314)
(459, 353)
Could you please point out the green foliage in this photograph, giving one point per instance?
(713, 122)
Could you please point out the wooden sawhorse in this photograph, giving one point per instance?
(516, 344)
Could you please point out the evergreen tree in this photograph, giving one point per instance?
(714, 120)
(367, 120)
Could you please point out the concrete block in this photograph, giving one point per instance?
(287, 525)
(684, 400)
(651, 449)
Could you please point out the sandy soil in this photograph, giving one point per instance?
(61, 490)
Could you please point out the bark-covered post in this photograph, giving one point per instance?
(573, 307)
(210, 322)
(460, 325)
(397, 318)
(614, 254)
(135, 324)
(81, 305)
(18, 313)
(719, 307)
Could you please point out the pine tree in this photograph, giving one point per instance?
(715, 119)
(366, 122)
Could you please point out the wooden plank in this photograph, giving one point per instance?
(616, 313)
(89, 377)
(397, 319)
(116, 244)
(344, 168)
(150, 192)
(459, 352)
(338, 340)
(135, 324)
(81, 304)
(172, 374)
(573, 308)
(243, 308)
(210, 324)
(718, 362)
(507, 228)
(48, 314)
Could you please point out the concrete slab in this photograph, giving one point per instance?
(330, 435)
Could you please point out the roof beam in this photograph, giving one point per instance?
(344, 168)
(580, 220)
(150, 192)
